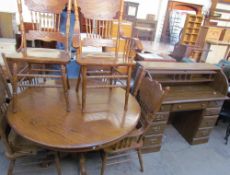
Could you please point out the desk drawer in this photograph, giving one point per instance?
(152, 140)
(200, 140)
(165, 107)
(208, 121)
(156, 128)
(161, 116)
(150, 149)
(212, 111)
(189, 106)
(203, 132)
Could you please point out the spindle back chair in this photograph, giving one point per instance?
(150, 98)
(39, 62)
(99, 17)
(15, 146)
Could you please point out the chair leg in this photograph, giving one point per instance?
(78, 80)
(11, 167)
(82, 164)
(227, 134)
(140, 159)
(65, 86)
(44, 67)
(84, 74)
(14, 86)
(68, 85)
(128, 87)
(58, 164)
(111, 73)
(104, 160)
(29, 72)
(217, 121)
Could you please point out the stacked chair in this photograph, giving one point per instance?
(99, 16)
(41, 63)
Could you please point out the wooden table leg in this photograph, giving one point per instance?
(82, 164)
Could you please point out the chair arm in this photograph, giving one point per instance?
(138, 44)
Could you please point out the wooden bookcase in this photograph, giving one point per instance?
(191, 29)
(176, 5)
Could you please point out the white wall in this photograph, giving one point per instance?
(147, 7)
(11, 7)
(8, 6)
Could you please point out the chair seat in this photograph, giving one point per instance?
(21, 145)
(103, 59)
(41, 55)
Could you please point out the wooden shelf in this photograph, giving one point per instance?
(191, 29)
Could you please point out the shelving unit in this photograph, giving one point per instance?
(191, 29)
(219, 14)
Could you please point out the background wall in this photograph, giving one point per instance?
(159, 7)
(8, 6)
(11, 6)
(156, 7)
(147, 7)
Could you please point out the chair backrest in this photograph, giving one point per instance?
(45, 17)
(99, 16)
(4, 87)
(4, 128)
(150, 98)
(2, 90)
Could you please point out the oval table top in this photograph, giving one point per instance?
(41, 117)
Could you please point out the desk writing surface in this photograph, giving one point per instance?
(177, 66)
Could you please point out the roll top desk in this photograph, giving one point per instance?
(197, 92)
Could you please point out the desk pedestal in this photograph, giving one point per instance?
(193, 123)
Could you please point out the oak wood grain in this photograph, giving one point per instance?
(41, 117)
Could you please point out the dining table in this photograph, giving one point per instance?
(41, 118)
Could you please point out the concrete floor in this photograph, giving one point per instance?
(176, 157)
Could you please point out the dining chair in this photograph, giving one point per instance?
(41, 63)
(15, 146)
(150, 97)
(102, 68)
